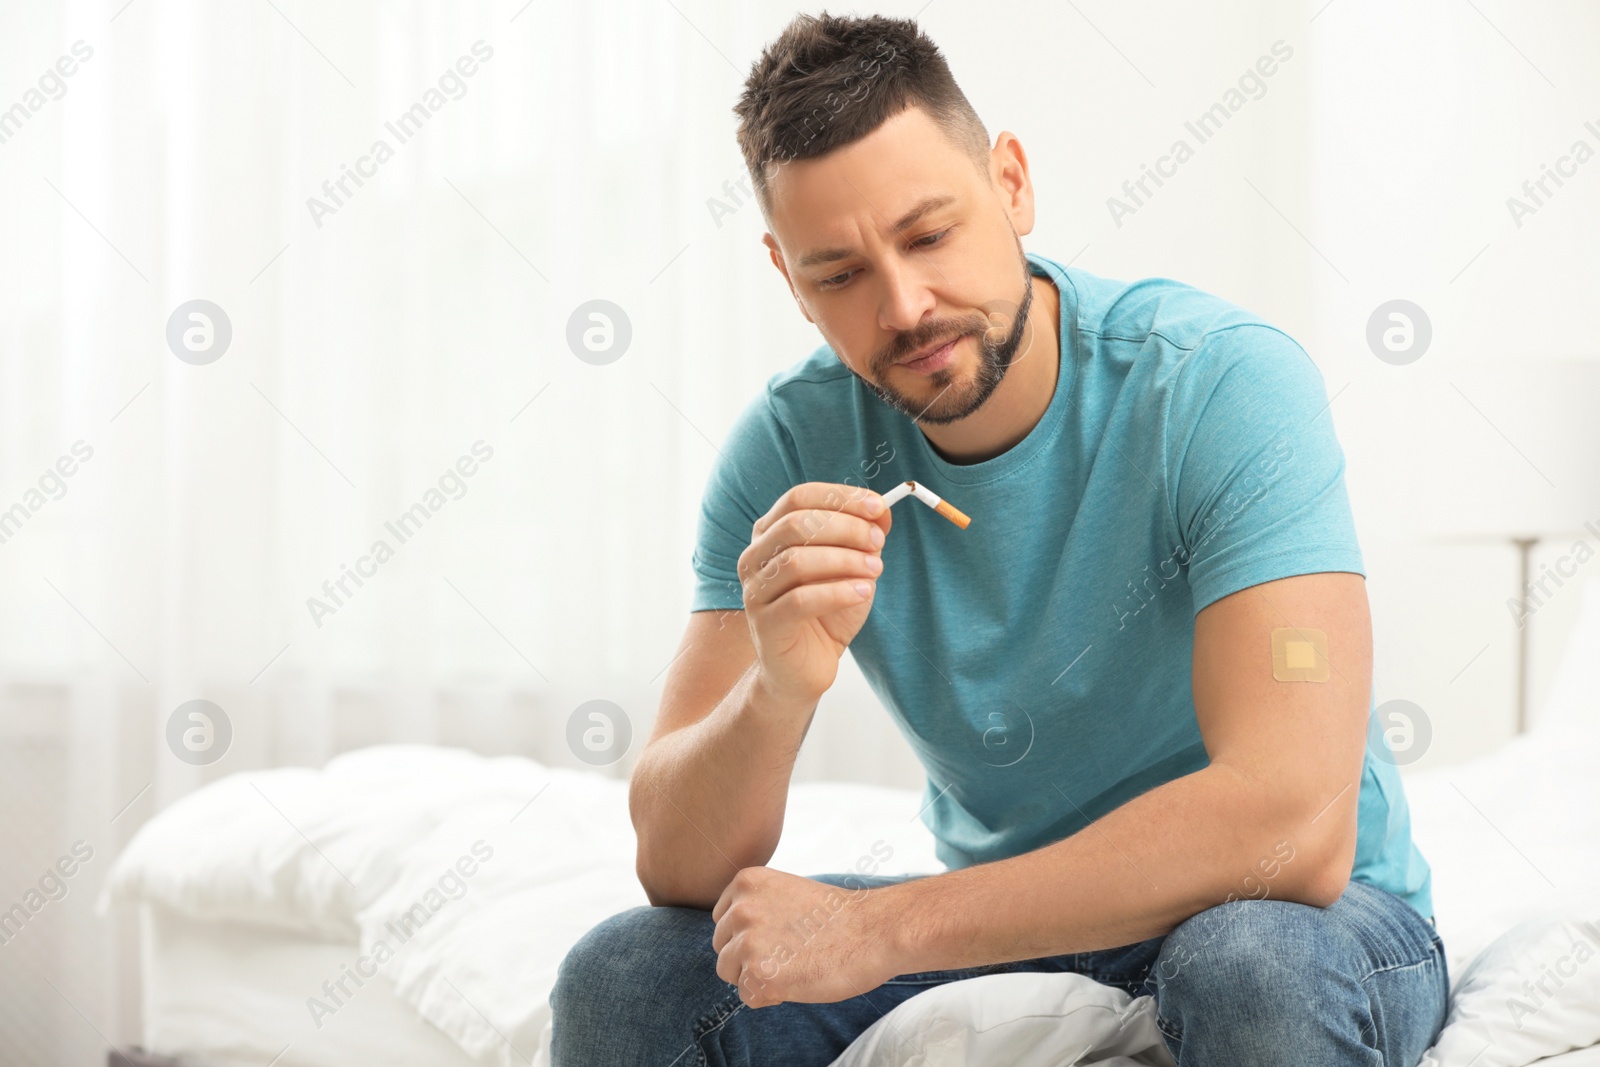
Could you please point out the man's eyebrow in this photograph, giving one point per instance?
(908, 220)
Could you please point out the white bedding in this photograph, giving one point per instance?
(397, 829)
(388, 823)
(234, 995)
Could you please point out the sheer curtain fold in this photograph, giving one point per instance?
(397, 245)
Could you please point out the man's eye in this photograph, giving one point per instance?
(922, 242)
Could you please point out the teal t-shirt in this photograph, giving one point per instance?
(1039, 660)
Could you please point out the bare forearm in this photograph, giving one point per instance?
(1136, 873)
(708, 800)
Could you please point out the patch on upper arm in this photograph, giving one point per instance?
(1299, 654)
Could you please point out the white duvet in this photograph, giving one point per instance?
(374, 848)
(467, 879)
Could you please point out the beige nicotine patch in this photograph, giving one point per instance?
(1299, 655)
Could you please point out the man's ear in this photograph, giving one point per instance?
(783, 269)
(1008, 168)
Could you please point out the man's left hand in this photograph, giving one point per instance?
(781, 937)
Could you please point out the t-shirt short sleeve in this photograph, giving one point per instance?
(1258, 489)
(754, 467)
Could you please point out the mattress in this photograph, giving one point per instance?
(488, 870)
(236, 995)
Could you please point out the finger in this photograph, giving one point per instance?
(809, 528)
(729, 892)
(811, 565)
(754, 992)
(819, 599)
(827, 496)
(824, 496)
(726, 929)
(815, 527)
(742, 976)
(729, 968)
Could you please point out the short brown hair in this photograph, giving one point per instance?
(828, 81)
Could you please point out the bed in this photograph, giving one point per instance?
(257, 889)
(226, 993)
(263, 899)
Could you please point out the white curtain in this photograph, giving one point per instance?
(378, 338)
(368, 355)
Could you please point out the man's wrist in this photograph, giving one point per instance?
(769, 699)
(894, 926)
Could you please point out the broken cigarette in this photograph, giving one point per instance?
(928, 497)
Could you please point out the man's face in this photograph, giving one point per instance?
(884, 280)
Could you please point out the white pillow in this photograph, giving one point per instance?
(1533, 992)
(1020, 1019)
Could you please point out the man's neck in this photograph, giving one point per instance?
(1019, 401)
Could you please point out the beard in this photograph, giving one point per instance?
(955, 397)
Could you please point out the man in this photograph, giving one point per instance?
(1140, 680)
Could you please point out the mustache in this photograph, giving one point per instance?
(906, 343)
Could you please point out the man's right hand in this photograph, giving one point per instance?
(809, 559)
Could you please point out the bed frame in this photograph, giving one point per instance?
(135, 1056)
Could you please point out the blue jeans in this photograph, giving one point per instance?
(1249, 983)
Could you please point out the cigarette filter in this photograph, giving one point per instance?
(928, 497)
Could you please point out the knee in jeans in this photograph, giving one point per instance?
(1253, 950)
(627, 955)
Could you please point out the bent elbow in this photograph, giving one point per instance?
(666, 887)
(1326, 878)
(1327, 886)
